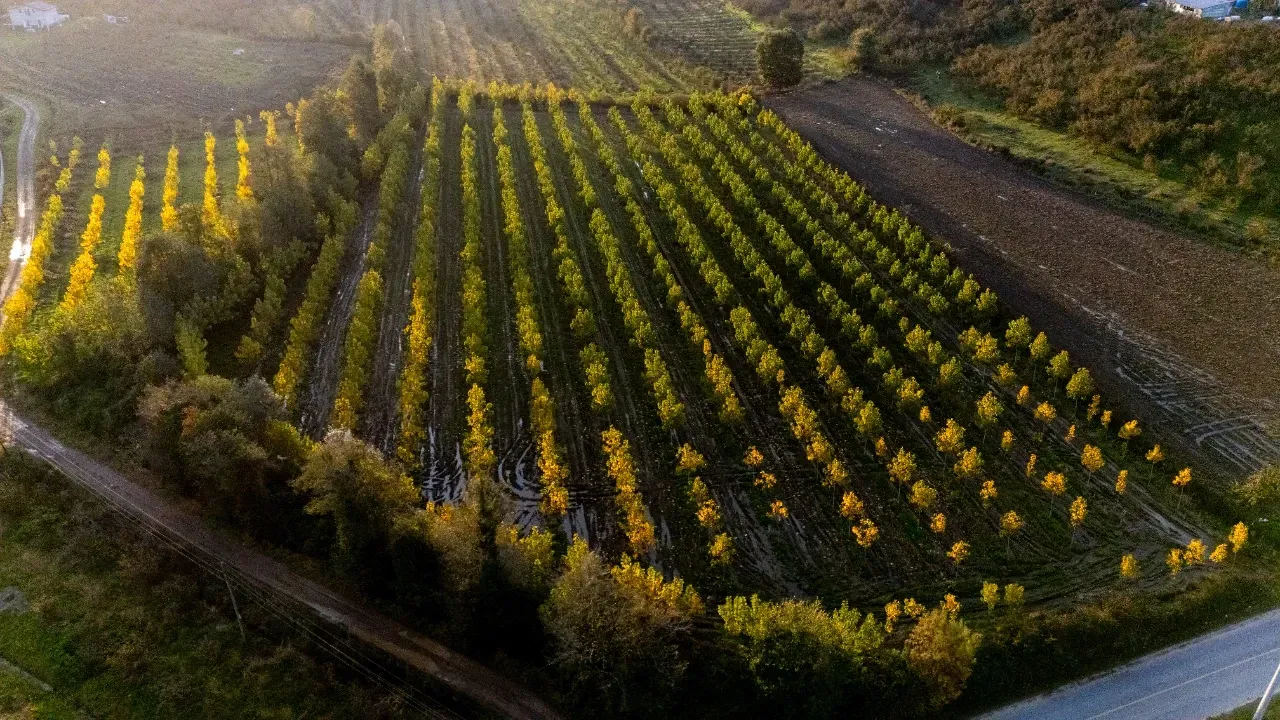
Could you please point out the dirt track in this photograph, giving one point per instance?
(1185, 332)
(24, 228)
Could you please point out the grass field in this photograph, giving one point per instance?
(116, 627)
(1114, 176)
(126, 150)
(151, 81)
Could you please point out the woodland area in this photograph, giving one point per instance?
(1194, 99)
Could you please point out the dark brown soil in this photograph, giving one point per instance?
(1185, 332)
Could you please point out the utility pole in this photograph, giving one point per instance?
(234, 605)
(1266, 696)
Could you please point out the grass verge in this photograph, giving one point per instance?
(119, 628)
(1116, 178)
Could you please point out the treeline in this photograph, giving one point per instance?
(900, 34)
(1196, 99)
(1193, 99)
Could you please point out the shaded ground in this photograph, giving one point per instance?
(1184, 330)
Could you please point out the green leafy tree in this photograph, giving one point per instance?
(224, 441)
(780, 56)
(350, 483)
(941, 651)
(806, 662)
(617, 632)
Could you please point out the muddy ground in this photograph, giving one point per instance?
(1184, 333)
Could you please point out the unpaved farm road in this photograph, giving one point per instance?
(24, 229)
(1208, 676)
(462, 675)
(1184, 331)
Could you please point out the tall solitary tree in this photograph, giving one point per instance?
(780, 56)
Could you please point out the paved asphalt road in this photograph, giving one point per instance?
(1209, 675)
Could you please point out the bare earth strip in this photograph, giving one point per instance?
(24, 229)
(1185, 332)
(322, 381)
(258, 573)
(381, 421)
(447, 396)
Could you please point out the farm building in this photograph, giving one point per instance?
(1202, 8)
(35, 15)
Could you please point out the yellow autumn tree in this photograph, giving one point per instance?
(103, 177)
(1194, 553)
(950, 439)
(1024, 396)
(1129, 431)
(938, 523)
(269, 118)
(959, 552)
(990, 595)
(209, 212)
(969, 464)
(865, 533)
(1046, 413)
(851, 507)
(1129, 567)
(169, 212)
(1182, 479)
(1219, 553)
(1079, 511)
(1155, 455)
(1010, 523)
(922, 496)
(902, 466)
(988, 410)
(1091, 458)
(1238, 537)
(244, 191)
(127, 257)
(988, 492)
(1122, 482)
(1054, 483)
(83, 268)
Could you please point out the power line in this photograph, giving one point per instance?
(268, 598)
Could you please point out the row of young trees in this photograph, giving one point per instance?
(395, 141)
(719, 377)
(20, 306)
(592, 360)
(970, 302)
(422, 304)
(762, 355)
(551, 469)
(793, 404)
(304, 328)
(477, 444)
(634, 316)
